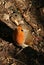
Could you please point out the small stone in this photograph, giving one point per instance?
(13, 64)
(13, 20)
(43, 10)
(17, 19)
(3, 2)
(10, 11)
(42, 50)
(39, 30)
(8, 4)
(0, 2)
(6, 17)
(30, 4)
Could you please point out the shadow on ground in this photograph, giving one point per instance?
(5, 32)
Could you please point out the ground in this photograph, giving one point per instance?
(32, 55)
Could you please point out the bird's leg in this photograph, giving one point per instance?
(23, 46)
(19, 52)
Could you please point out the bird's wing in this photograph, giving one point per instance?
(29, 39)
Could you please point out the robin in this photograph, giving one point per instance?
(23, 37)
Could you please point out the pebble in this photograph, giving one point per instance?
(17, 19)
(3, 1)
(30, 4)
(6, 17)
(10, 11)
(0, 2)
(43, 10)
(42, 50)
(8, 4)
(39, 30)
(13, 64)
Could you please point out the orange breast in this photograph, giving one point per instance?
(20, 38)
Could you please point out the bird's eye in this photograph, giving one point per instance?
(21, 30)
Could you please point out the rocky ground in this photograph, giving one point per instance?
(10, 11)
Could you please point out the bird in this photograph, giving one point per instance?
(22, 36)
